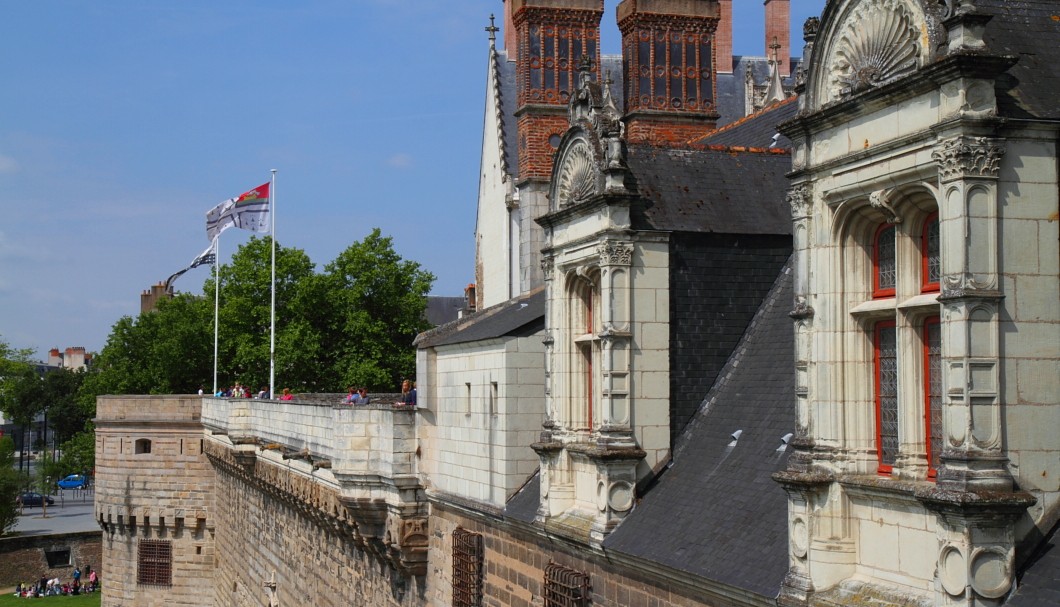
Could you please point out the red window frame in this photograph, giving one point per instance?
(928, 426)
(877, 292)
(926, 286)
(882, 468)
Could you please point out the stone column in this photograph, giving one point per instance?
(973, 457)
(616, 259)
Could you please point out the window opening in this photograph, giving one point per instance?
(884, 263)
(143, 445)
(886, 355)
(468, 556)
(57, 558)
(565, 587)
(933, 391)
(931, 252)
(154, 563)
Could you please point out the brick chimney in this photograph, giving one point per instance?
(723, 38)
(668, 48)
(778, 32)
(55, 359)
(510, 42)
(552, 38)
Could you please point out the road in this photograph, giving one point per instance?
(71, 512)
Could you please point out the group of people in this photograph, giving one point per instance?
(241, 391)
(357, 396)
(56, 587)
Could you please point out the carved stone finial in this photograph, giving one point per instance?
(968, 157)
(810, 28)
(880, 199)
(493, 29)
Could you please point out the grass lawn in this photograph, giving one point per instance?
(86, 600)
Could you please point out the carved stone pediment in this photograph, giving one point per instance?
(878, 42)
(576, 179)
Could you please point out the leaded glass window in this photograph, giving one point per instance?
(886, 394)
(932, 254)
(884, 262)
(933, 389)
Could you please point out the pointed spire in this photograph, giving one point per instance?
(493, 29)
(775, 92)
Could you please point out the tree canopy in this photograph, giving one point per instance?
(353, 324)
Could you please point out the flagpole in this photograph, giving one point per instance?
(216, 301)
(272, 322)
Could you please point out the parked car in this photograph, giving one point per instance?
(35, 499)
(74, 481)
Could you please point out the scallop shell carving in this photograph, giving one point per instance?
(879, 43)
(577, 177)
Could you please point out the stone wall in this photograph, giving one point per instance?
(24, 559)
(517, 555)
(297, 535)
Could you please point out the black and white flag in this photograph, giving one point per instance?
(207, 257)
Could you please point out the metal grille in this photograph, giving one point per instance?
(887, 395)
(565, 587)
(154, 563)
(933, 339)
(467, 568)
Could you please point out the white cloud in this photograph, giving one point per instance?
(400, 161)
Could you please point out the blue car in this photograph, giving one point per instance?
(74, 481)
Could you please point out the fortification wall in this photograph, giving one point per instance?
(278, 522)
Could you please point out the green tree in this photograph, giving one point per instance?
(9, 485)
(378, 301)
(79, 453)
(353, 324)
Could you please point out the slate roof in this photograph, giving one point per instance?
(522, 315)
(730, 94)
(756, 130)
(523, 505)
(711, 189)
(1029, 29)
(717, 513)
(1040, 584)
(441, 310)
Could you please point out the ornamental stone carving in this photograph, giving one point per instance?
(880, 199)
(968, 157)
(548, 266)
(800, 199)
(616, 254)
(577, 175)
(878, 43)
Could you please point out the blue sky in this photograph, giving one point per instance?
(123, 122)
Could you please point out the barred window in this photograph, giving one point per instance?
(467, 568)
(565, 587)
(154, 563)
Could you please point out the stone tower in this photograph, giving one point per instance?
(154, 501)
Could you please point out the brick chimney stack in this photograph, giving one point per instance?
(510, 41)
(668, 48)
(723, 38)
(778, 32)
(552, 38)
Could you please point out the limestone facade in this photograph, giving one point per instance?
(926, 315)
(479, 413)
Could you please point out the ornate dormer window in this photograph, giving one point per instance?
(577, 175)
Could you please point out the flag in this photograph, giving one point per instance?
(207, 257)
(249, 211)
